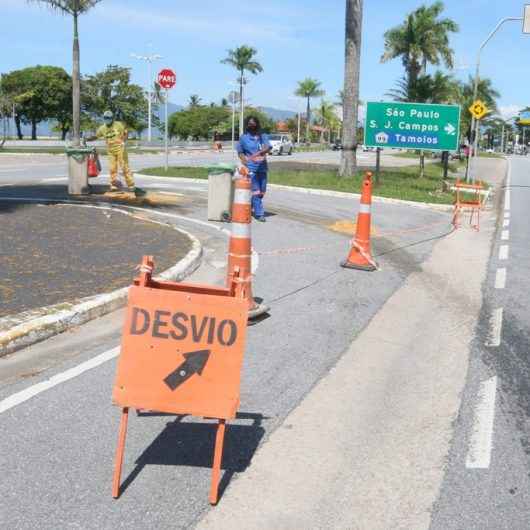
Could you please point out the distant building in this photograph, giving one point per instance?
(281, 127)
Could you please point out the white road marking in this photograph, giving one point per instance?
(506, 223)
(57, 379)
(503, 252)
(53, 179)
(495, 334)
(506, 215)
(500, 278)
(480, 445)
(505, 236)
(507, 200)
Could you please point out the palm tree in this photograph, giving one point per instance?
(75, 8)
(423, 38)
(327, 118)
(194, 101)
(309, 88)
(242, 60)
(352, 59)
(437, 88)
(486, 92)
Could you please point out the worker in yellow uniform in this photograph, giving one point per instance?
(115, 135)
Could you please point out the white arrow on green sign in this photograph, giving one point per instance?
(412, 126)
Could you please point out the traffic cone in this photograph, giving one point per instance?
(239, 269)
(360, 256)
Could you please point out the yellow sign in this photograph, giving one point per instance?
(478, 109)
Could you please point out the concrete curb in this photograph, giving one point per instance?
(24, 329)
(325, 193)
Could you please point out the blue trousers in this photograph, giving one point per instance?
(259, 187)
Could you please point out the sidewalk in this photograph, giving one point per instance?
(366, 448)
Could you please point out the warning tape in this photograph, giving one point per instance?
(296, 250)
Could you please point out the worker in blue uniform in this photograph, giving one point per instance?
(253, 147)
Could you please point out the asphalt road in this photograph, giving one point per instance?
(487, 485)
(57, 448)
(19, 169)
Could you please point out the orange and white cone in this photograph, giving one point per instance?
(360, 256)
(239, 269)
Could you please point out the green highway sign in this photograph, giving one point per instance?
(412, 126)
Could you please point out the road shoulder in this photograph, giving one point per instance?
(367, 448)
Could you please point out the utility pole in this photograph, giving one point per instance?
(149, 59)
(474, 126)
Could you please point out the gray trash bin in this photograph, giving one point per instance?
(78, 170)
(220, 192)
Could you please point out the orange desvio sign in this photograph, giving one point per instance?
(181, 353)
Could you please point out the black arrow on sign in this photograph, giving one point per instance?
(194, 364)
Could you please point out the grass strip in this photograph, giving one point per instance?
(396, 183)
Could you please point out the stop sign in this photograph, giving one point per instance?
(167, 78)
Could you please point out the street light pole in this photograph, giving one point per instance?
(149, 59)
(474, 122)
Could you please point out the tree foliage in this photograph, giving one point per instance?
(74, 8)
(202, 122)
(242, 59)
(309, 88)
(69, 7)
(112, 90)
(486, 92)
(421, 39)
(40, 93)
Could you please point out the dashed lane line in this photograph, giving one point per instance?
(504, 251)
(505, 236)
(495, 333)
(481, 442)
(500, 278)
(506, 223)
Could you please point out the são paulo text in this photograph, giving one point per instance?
(413, 113)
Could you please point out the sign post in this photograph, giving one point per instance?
(166, 79)
(412, 126)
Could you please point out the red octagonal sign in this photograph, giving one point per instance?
(167, 78)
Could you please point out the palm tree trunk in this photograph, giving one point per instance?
(19, 128)
(33, 129)
(354, 17)
(76, 88)
(308, 123)
(241, 119)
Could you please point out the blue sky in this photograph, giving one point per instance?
(294, 38)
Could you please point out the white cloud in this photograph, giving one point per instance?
(509, 111)
(202, 27)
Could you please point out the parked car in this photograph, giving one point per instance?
(281, 144)
(336, 145)
(367, 149)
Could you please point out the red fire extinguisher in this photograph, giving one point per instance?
(93, 165)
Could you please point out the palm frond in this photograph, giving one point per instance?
(70, 7)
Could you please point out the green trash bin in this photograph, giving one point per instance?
(220, 192)
(78, 170)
